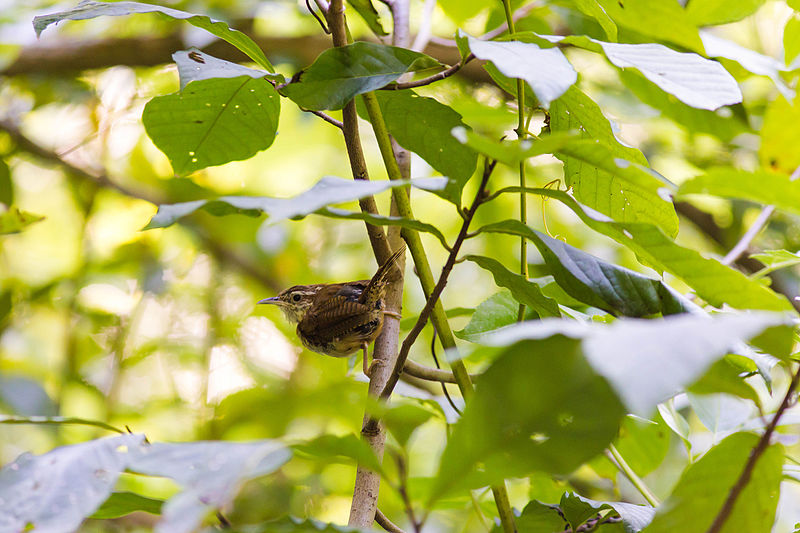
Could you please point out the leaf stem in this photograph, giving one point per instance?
(619, 461)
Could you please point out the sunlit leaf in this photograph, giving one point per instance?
(663, 19)
(578, 509)
(327, 191)
(764, 186)
(88, 10)
(592, 8)
(780, 136)
(775, 260)
(546, 70)
(713, 12)
(498, 310)
(194, 65)
(341, 73)
(213, 121)
(643, 443)
(702, 489)
(58, 490)
(369, 14)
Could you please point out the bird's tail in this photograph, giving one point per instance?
(375, 288)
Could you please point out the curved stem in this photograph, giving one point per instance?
(619, 461)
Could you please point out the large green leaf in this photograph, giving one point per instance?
(791, 39)
(423, 125)
(702, 489)
(713, 281)
(327, 191)
(604, 285)
(643, 443)
(498, 310)
(546, 70)
(341, 73)
(524, 291)
(539, 406)
(194, 65)
(591, 8)
(762, 186)
(213, 121)
(649, 361)
(662, 19)
(58, 490)
(89, 9)
(369, 14)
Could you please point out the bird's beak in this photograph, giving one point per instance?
(271, 300)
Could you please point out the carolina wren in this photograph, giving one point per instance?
(338, 318)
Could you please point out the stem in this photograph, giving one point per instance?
(619, 461)
(755, 454)
(521, 134)
(433, 306)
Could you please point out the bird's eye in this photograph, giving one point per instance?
(296, 297)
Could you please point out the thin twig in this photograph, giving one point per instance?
(402, 489)
(755, 454)
(617, 460)
(327, 118)
(430, 79)
(321, 23)
(385, 523)
(754, 229)
(437, 291)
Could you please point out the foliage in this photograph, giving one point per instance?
(628, 374)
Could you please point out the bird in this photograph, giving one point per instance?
(337, 319)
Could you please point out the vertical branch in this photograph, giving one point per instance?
(521, 134)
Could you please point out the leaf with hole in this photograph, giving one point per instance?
(213, 121)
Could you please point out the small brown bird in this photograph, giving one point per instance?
(338, 318)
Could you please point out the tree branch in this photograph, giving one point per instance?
(430, 79)
(385, 523)
(755, 454)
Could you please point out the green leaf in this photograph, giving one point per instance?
(14, 220)
(662, 19)
(540, 518)
(336, 449)
(524, 291)
(213, 121)
(6, 186)
(713, 12)
(702, 489)
(643, 443)
(649, 361)
(592, 8)
(775, 260)
(124, 503)
(692, 79)
(694, 120)
(328, 190)
(780, 136)
(512, 152)
(89, 10)
(546, 70)
(194, 65)
(713, 281)
(762, 186)
(210, 472)
(422, 125)
(532, 410)
(721, 413)
(58, 490)
(606, 286)
(369, 14)
(791, 39)
(724, 376)
(493, 313)
(341, 73)
(578, 509)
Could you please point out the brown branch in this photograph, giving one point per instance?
(221, 252)
(437, 290)
(755, 454)
(327, 118)
(430, 79)
(385, 523)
